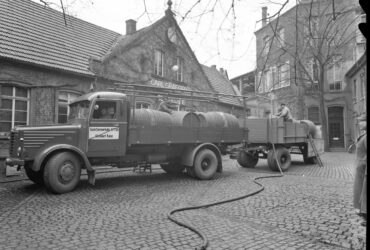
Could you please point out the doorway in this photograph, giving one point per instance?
(336, 127)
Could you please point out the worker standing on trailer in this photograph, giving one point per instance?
(284, 112)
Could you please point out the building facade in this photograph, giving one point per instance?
(356, 79)
(302, 58)
(47, 59)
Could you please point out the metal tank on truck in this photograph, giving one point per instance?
(103, 129)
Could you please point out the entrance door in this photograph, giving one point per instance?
(336, 127)
(107, 130)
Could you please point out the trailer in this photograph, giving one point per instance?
(286, 137)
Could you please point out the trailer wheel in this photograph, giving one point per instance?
(35, 176)
(205, 164)
(62, 173)
(247, 159)
(172, 168)
(283, 156)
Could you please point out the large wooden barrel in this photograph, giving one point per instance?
(184, 118)
(220, 120)
(149, 117)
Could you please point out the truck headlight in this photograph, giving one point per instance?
(19, 151)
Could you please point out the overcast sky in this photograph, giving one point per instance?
(231, 47)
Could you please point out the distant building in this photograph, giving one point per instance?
(221, 84)
(287, 67)
(245, 82)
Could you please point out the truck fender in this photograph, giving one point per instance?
(188, 157)
(39, 159)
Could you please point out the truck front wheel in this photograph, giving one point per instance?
(35, 176)
(62, 173)
(205, 164)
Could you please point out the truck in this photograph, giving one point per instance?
(102, 128)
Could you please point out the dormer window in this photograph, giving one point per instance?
(158, 63)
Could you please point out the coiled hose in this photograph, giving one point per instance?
(197, 231)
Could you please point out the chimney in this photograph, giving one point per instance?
(264, 16)
(213, 67)
(222, 70)
(130, 26)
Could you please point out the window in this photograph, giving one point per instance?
(281, 37)
(261, 82)
(158, 63)
(274, 78)
(64, 99)
(104, 110)
(283, 75)
(313, 70)
(179, 72)
(337, 86)
(313, 114)
(354, 91)
(14, 106)
(335, 76)
(142, 105)
(266, 45)
(269, 79)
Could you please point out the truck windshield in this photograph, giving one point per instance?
(79, 110)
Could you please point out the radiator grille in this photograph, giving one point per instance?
(12, 146)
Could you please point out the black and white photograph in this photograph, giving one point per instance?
(183, 124)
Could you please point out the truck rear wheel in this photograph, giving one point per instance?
(247, 159)
(283, 156)
(62, 173)
(35, 176)
(205, 164)
(172, 168)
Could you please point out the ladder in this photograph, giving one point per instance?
(319, 162)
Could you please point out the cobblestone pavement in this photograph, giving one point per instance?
(308, 208)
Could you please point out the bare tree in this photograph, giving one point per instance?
(319, 40)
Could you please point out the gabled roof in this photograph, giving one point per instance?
(221, 85)
(35, 34)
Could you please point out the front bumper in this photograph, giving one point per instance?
(14, 162)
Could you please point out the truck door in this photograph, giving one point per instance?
(107, 130)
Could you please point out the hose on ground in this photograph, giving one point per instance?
(197, 231)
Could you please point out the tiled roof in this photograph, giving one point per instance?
(221, 85)
(33, 33)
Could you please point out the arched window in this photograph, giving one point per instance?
(313, 114)
(64, 99)
(14, 107)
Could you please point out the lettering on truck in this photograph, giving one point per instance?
(103, 133)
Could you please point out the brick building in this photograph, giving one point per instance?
(47, 59)
(291, 63)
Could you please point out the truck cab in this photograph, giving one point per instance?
(53, 155)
